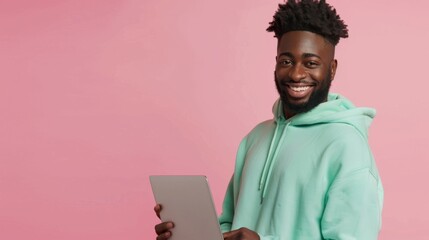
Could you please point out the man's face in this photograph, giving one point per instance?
(304, 70)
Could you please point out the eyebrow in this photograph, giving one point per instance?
(304, 55)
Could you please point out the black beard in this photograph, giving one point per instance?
(317, 96)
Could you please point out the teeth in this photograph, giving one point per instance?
(300, 89)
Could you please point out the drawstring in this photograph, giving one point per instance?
(269, 164)
(272, 155)
(268, 161)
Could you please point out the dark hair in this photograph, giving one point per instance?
(308, 15)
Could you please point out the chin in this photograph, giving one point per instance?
(300, 102)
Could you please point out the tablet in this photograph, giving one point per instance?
(187, 201)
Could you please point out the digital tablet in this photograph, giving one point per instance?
(187, 201)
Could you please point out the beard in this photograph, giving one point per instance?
(319, 95)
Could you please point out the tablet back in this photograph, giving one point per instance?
(187, 201)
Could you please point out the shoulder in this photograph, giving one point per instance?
(341, 133)
(263, 130)
(350, 147)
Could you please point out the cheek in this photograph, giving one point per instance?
(281, 73)
(318, 76)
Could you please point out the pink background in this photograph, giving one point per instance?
(95, 96)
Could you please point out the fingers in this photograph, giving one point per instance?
(241, 234)
(157, 210)
(164, 236)
(163, 228)
(228, 235)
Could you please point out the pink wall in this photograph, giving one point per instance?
(97, 95)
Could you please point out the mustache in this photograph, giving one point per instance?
(284, 82)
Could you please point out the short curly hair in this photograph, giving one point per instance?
(309, 15)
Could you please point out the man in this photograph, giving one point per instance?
(309, 172)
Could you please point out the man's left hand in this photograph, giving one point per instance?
(241, 234)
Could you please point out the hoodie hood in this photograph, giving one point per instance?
(337, 109)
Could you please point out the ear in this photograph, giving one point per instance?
(275, 62)
(334, 65)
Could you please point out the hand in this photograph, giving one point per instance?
(241, 234)
(162, 229)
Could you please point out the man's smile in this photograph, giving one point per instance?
(298, 90)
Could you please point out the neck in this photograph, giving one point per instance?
(288, 113)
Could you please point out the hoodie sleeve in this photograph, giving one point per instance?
(352, 210)
(227, 216)
(225, 219)
(354, 200)
(228, 207)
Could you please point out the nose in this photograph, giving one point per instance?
(297, 73)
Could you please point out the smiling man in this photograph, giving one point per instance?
(304, 71)
(308, 173)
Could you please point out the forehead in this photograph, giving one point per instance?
(302, 42)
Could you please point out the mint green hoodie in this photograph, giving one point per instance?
(308, 177)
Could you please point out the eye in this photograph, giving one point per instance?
(285, 62)
(312, 64)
